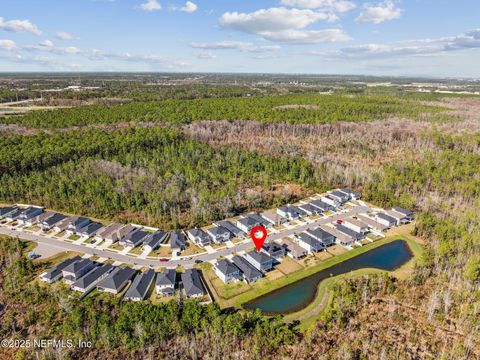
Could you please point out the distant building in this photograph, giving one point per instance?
(339, 196)
(322, 206)
(309, 209)
(408, 215)
(333, 202)
(352, 194)
(7, 210)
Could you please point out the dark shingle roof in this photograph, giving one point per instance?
(117, 278)
(91, 228)
(230, 227)
(140, 285)
(347, 231)
(78, 266)
(57, 270)
(320, 234)
(166, 277)
(55, 218)
(155, 239)
(192, 282)
(308, 239)
(226, 267)
(4, 211)
(386, 217)
(177, 240)
(218, 231)
(136, 237)
(259, 256)
(92, 276)
(246, 268)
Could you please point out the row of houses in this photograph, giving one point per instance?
(84, 275)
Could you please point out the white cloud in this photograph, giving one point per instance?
(7, 45)
(151, 5)
(19, 26)
(272, 20)
(221, 45)
(262, 49)
(308, 36)
(379, 13)
(205, 55)
(420, 47)
(340, 6)
(49, 46)
(63, 35)
(189, 7)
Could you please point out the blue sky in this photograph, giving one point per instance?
(385, 37)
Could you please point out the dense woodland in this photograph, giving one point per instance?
(395, 149)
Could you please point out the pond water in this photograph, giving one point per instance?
(296, 296)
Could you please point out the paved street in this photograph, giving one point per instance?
(123, 258)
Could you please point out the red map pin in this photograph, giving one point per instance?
(258, 241)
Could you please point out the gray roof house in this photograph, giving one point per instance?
(293, 250)
(385, 219)
(13, 215)
(165, 283)
(90, 279)
(372, 224)
(177, 241)
(322, 206)
(288, 212)
(248, 272)
(262, 220)
(330, 200)
(327, 238)
(114, 232)
(351, 193)
(226, 271)
(29, 213)
(408, 214)
(192, 283)
(90, 230)
(61, 225)
(309, 209)
(309, 243)
(76, 270)
(6, 210)
(349, 232)
(356, 225)
(247, 223)
(259, 260)
(219, 234)
(55, 273)
(199, 237)
(134, 238)
(116, 280)
(50, 221)
(340, 196)
(154, 240)
(75, 223)
(39, 218)
(140, 286)
(230, 227)
(273, 250)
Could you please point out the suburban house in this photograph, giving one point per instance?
(400, 217)
(140, 286)
(177, 241)
(293, 250)
(116, 280)
(226, 271)
(248, 272)
(154, 240)
(192, 283)
(92, 278)
(349, 233)
(309, 209)
(134, 238)
(247, 223)
(408, 214)
(219, 234)
(165, 283)
(330, 200)
(236, 232)
(372, 224)
(6, 210)
(339, 196)
(262, 220)
(76, 270)
(351, 193)
(288, 212)
(259, 260)
(199, 237)
(29, 213)
(356, 225)
(114, 232)
(309, 243)
(13, 215)
(327, 238)
(385, 219)
(49, 222)
(273, 250)
(76, 223)
(89, 230)
(55, 273)
(322, 206)
(61, 225)
(39, 218)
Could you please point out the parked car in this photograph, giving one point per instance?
(163, 259)
(339, 221)
(198, 261)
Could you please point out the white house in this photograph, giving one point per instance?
(226, 271)
(356, 225)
